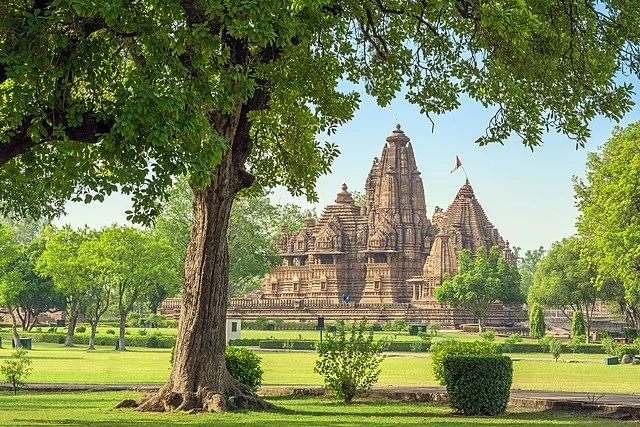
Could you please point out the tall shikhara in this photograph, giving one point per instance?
(386, 251)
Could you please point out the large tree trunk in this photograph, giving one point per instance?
(199, 379)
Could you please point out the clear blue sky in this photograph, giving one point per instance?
(527, 195)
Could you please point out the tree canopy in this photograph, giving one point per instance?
(609, 203)
(480, 282)
(104, 96)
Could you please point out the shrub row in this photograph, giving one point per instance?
(246, 342)
(535, 348)
(288, 344)
(149, 341)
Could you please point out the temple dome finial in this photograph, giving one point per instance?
(344, 197)
(398, 137)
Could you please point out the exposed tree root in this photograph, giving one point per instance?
(235, 396)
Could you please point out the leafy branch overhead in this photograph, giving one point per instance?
(102, 96)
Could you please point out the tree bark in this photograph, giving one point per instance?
(92, 337)
(123, 324)
(199, 379)
(14, 327)
(73, 319)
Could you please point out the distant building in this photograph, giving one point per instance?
(385, 251)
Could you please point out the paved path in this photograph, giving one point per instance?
(626, 400)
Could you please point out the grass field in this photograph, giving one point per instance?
(52, 363)
(96, 410)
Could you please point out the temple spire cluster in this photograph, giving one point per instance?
(387, 250)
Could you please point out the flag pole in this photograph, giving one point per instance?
(465, 172)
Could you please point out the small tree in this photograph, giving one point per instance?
(537, 325)
(16, 370)
(575, 342)
(577, 324)
(399, 325)
(350, 362)
(488, 336)
(555, 348)
(158, 320)
(434, 328)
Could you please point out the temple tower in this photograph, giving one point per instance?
(464, 225)
(397, 227)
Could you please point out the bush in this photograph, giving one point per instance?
(433, 328)
(244, 365)
(478, 385)
(261, 323)
(537, 326)
(509, 343)
(448, 348)
(349, 363)
(488, 336)
(621, 350)
(172, 323)
(630, 333)
(555, 348)
(60, 339)
(576, 342)
(399, 325)
(577, 324)
(608, 345)
(16, 369)
(110, 332)
(133, 319)
(544, 343)
(418, 347)
(81, 329)
(142, 332)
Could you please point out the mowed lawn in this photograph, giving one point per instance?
(96, 409)
(53, 363)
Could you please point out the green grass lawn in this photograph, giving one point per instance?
(53, 363)
(96, 410)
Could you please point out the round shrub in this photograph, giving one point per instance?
(447, 348)
(478, 385)
(142, 332)
(110, 332)
(244, 365)
(61, 340)
(81, 329)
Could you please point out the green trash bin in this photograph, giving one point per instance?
(24, 342)
(611, 360)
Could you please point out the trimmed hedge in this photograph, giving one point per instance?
(148, 341)
(478, 385)
(525, 347)
(449, 348)
(246, 342)
(288, 344)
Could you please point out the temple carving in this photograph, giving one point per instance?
(384, 252)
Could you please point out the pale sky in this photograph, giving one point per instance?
(527, 195)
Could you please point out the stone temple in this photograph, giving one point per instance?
(383, 259)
